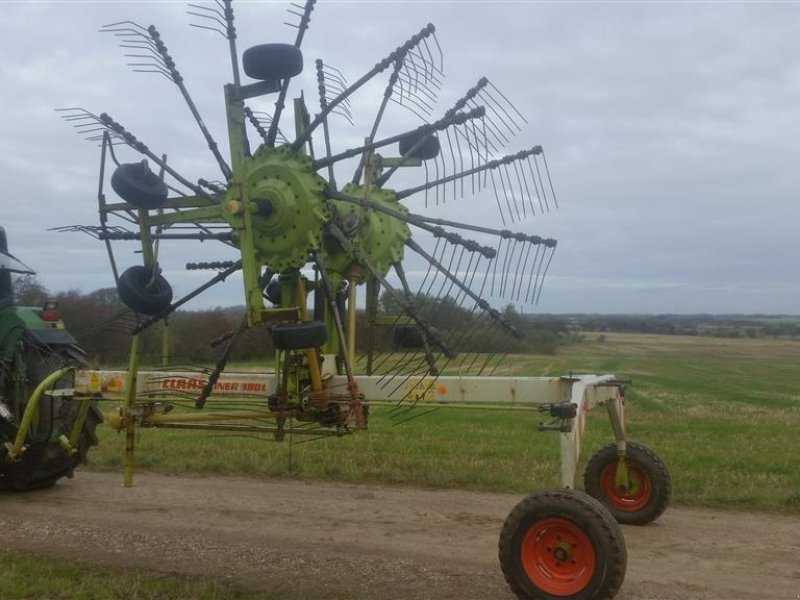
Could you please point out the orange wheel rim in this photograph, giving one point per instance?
(632, 499)
(558, 557)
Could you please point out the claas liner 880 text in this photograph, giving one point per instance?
(317, 230)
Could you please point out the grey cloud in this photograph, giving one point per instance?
(672, 132)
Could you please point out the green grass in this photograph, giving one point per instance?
(28, 578)
(723, 414)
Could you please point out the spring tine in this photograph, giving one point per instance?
(524, 273)
(452, 269)
(547, 266)
(436, 273)
(508, 259)
(550, 181)
(518, 274)
(398, 267)
(412, 72)
(536, 279)
(480, 301)
(509, 103)
(305, 19)
(470, 128)
(516, 191)
(168, 68)
(521, 173)
(497, 198)
(493, 138)
(504, 170)
(412, 106)
(536, 184)
(504, 118)
(491, 165)
(421, 131)
(398, 53)
(430, 266)
(495, 260)
(541, 184)
(419, 93)
(211, 17)
(453, 159)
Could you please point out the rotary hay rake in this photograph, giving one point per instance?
(316, 224)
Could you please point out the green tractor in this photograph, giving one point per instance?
(44, 433)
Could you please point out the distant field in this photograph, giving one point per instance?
(723, 413)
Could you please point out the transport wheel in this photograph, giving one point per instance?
(562, 544)
(296, 336)
(427, 150)
(647, 492)
(143, 293)
(272, 62)
(138, 185)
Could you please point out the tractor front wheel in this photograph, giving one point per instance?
(45, 461)
(636, 499)
(562, 545)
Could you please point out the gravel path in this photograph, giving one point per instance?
(316, 539)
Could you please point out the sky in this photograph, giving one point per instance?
(672, 133)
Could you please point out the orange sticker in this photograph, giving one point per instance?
(441, 390)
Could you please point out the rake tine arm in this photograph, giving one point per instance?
(378, 68)
(423, 130)
(152, 38)
(131, 140)
(178, 79)
(323, 102)
(221, 276)
(398, 268)
(405, 304)
(487, 167)
(437, 231)
(255, 123)
(379, 116)
(461, 103)
(493, 313)
(281, 101)
(502, 233)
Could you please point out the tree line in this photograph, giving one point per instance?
(101, 325)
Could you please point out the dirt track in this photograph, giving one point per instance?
(328, 540)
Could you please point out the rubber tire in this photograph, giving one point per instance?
(590, 517)
(297, 336)
(647, 464)
(134, 293)
(428, 150)
(43, 464)
(138, 185)
(272, 62)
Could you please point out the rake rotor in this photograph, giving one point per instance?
(298, 231)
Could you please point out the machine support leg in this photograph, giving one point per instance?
(130, 423)
(616, 414)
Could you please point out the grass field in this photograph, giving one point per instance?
(26, 577)
(723, 413)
